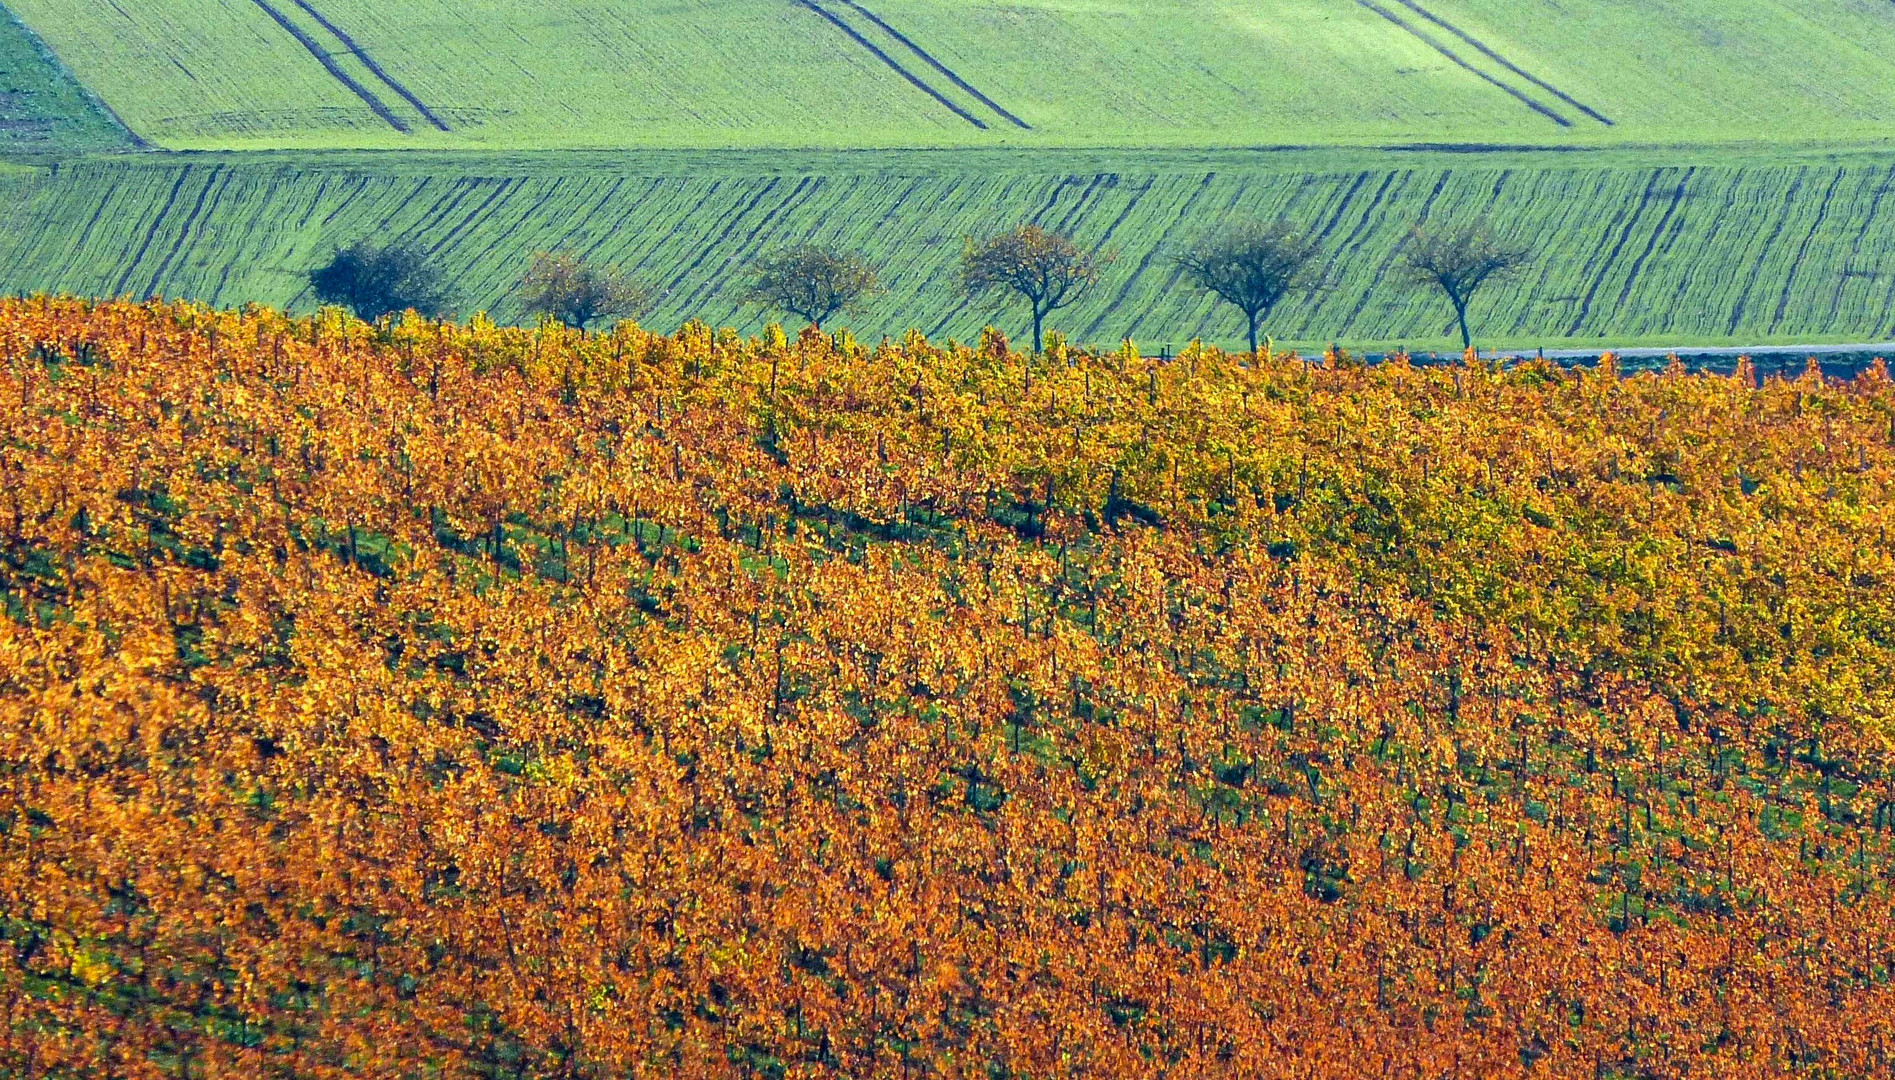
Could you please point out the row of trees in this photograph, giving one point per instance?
(1251, 265)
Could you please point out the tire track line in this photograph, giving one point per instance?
(214, 182)
(1658, 233)
(1605, 265)
(1855, 250)
(1394, 256)
(1769, 245)
(375, 104)
(1503, 61)
(151, 234)
(893, 63)
(1802, 251)
(1437, 46)
(939, 66)
(374, 68)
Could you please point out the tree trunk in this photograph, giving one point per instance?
(1253, 333)
(1460, 315)
(1039, 339)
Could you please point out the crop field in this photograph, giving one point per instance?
(517, 74)
(41, 106)
(1769, 250)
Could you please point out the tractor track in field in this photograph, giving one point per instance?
(370, 63)
(937, 65)
(1503, 61)
(894, 65)
(1802, 251)
(151, 234)
(314, 48)
(1460, 61)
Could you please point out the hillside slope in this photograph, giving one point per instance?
(869, 73)
(1775, 249)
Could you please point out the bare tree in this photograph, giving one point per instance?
(578, 293)
(376, 281)
(1043, 268)
(811, 282)
(1251, 266)
(1459, 263)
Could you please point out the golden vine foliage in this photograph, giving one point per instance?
(446, 701)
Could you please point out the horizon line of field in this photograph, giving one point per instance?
(822, 8)
(1490, 53)
(1737, 246)
(350, 47)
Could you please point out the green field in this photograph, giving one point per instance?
(877, 73)
(42, 107)
(1702, 251)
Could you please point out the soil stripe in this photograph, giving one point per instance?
(1456, 58)
(1502, 61)
(1605, 267)
(213, 183)
(938, 65)
(1658, 233)
(157, 222)
(890, 61)
(369, 63)
(329, 64)
(1855, 250)
(1769, 245)
(1802, 251)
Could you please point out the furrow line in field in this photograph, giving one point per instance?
(1461, 62)
(1395, 254)
(323, 57)
(967, 301)
(1065, 224)
(728, 222)
(1855, 250)
(84, 244)
(1769, 245)
(374, 68)
(714, 249)
(151, 234)
(217, 176)
(1151, 255)
(939, 66)
(1663, 317)
(806, 189)
(454, 233)
(1342, 207)
(394, 215)
(893, 64)
(1802, 250)
(590, 216)
(361, 185)
(1502, 61)
(1612, 257)
(1658, 232)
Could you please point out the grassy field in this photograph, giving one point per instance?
(1710, 249)
(519, 74)
(42, 107)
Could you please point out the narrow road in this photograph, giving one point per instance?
(1798, 352)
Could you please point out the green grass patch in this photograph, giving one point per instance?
(1714, 247)
(497, 74)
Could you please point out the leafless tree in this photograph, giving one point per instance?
(1043, 268)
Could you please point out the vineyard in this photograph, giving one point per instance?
(462, 701)
(1779, 249)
